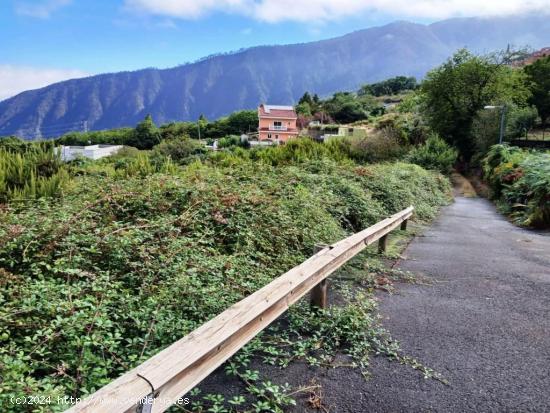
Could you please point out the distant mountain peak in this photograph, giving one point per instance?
(220, 84)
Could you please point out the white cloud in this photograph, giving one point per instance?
(186, 9)
(274, 11)
(41, 9)
(16, 79)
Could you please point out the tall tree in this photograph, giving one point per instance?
(145, 135)
(391, 86)
(345, 107)
(538, 76)
(456, 91)
(303, 109)
(243, 121)
(306, 98)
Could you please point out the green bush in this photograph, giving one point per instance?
(520, 121)
(295, 151)
(434, 154)
(181, 151)
(30, 173)
(520, 183)
(381, 146)
(232, 141)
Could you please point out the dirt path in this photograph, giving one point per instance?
(484, 323)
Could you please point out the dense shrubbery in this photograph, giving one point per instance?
(520, 121)
(297, 151)
(118, 136)
(123, 267)
(342, 107)
(434, 154)
(379, 147)
(15, 144)
(520, 182)
(181, 151)
(29, 172)
(376, 148)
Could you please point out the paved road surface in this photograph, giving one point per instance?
(484, 323)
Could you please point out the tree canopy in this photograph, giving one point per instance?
(538, 76)
(145, 135)
(342, 107)
(390, 86)
(456, 91)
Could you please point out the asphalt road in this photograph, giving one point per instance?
(484, 323)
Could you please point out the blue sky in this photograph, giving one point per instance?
(43, 41)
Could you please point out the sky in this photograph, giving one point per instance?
(45, 41)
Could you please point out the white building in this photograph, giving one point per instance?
(68, 153)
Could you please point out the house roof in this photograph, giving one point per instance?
(277, 111)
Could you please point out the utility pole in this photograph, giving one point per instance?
(85, 126)
(502, 118)
(199, 127)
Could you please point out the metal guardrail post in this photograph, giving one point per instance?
(404, 225)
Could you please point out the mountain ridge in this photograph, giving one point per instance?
(220, 84)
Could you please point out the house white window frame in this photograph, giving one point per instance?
(278, 125)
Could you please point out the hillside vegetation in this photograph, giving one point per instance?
(133, 259)
(520, 183)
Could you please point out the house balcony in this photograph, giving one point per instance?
(272, 128)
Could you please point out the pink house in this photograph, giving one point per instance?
(277, 123)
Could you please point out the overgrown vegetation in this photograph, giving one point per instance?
(434, 154)
(133, 259)
(520, 183)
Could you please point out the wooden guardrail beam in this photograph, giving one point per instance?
(177, 369)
